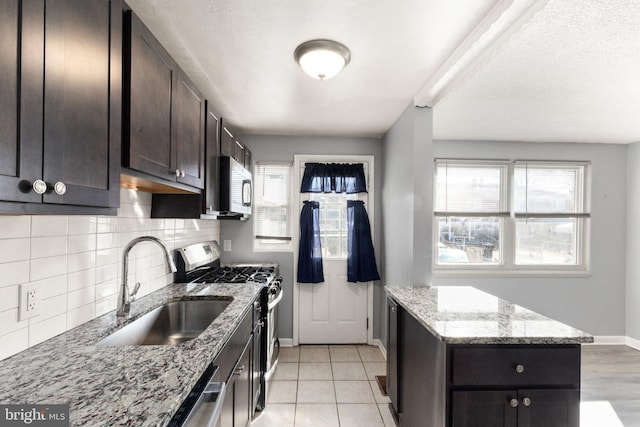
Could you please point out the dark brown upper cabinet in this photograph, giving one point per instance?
(212, 187)
(60, 127)
(164, 112)
(233, 147)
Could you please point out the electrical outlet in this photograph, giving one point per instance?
(30, 300)
(226, 244)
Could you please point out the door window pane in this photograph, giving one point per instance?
(333, 223)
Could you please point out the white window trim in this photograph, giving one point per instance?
(277, 247)
(508, 268)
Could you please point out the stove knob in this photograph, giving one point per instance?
(273, 291)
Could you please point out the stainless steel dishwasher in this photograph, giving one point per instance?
(203, 405)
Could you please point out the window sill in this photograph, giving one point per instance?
(463, 272)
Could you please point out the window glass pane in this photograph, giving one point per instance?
(469, 240)
(272, 202)
(470, 188)
(547, 189)
(546, 241)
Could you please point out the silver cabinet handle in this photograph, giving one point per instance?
(177, 172)
(39, 186)
(393, 309)
(239, 370)
(526, 402)
(182, 174)
(60, 188)
(519, 368)
(513, 403)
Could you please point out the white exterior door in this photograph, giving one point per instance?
(334, 311)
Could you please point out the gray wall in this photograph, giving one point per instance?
(283, 148)
(596, 303)
(633, 242)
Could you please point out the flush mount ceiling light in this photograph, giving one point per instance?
(322, 59)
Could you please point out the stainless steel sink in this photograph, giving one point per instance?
(169, 324)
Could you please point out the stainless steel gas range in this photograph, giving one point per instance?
(200, 263)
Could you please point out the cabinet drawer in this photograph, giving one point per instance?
(516, 366)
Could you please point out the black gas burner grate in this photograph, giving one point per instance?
(241, 274)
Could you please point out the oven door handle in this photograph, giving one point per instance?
(275, 301)
(213, 390)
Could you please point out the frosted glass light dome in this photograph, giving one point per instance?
(322, 59)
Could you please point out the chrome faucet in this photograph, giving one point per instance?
(124, 297)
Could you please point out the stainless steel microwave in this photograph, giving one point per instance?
(236, 190)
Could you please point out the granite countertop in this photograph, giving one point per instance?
(129, 385)
(465, 315)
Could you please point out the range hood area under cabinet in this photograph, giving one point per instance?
(163, 113)
(60, 109)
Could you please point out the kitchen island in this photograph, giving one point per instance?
(460, 357)
(137, 385)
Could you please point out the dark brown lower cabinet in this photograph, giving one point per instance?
(437, 384)
(515, 408)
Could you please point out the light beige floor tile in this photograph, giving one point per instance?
(282, 392)
(377, 393)
(286, 371)
(316, 415)
(348, 371)
(316, 392)
(315, 353)
(344, 353)
(375, 368)
(289, 354)
(276, 414)
(315, 371)
(353, 392)
(370, 353)
(387, 418)
(359, 415)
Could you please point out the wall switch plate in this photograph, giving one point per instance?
(30, 300)
(226, 245)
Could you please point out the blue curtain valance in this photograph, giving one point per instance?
(336, 177)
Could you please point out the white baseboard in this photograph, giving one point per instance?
(633, 343)
(383, 350)
(286, 342)
(608, 340)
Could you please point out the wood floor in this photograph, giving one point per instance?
(610, 387)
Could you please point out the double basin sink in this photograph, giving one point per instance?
(170, 324)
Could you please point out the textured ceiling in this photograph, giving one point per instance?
(240, 53)
(572, 73)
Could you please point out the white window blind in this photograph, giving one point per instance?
(272, 212)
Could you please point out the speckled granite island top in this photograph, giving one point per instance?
(465, 315)
(129, 385)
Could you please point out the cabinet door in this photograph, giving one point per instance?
(392, 353)
(150, 75)
(21, 100)
(227, 142)
(242, 390)
(238, 151)
(82, 101)
(549, 408)
(247, 158)
(485, 409)
(188, 128)
(212, 162)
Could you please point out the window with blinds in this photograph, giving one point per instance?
(516, 216)
(272, 206)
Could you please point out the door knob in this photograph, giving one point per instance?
(519, 368)
(526, 402)
(39, 186)
(60, 188)
(513, 403)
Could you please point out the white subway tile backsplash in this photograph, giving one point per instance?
(9, 322)
(9, 298)
(42, 226)
(12, 273)
(81, 243)
(77, 261)
(81, 261)
(81, 297)
(15, 226)
(42, 331)
(14, 342)
(43, 268)
(82, 225)
(53, 286)
(14, 250)
(81, 279)
(81, 315)
(44, 247)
